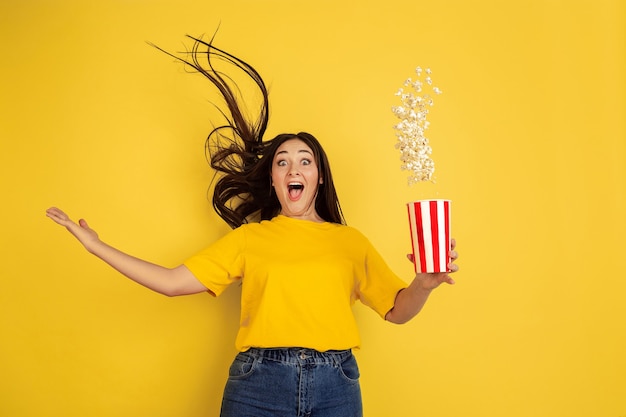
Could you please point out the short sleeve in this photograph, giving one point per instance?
(220, 264)
(378, 285)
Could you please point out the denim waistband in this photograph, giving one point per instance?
(300, 355)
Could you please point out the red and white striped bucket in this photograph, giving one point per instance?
(430, 234)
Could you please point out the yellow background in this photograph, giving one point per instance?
(529, 140)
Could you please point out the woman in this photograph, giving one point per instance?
(300, 266)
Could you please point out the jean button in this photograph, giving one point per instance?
(302, 356)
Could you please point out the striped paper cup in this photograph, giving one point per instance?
(430, 234)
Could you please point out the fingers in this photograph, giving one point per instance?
(453, 254)
(64, 220)
(445, 277)
(433, 280)
(452, 267)
(52, 212)
(430, 281)
(57, 215)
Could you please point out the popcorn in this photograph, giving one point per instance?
(411, 140)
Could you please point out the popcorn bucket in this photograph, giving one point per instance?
(430, 234)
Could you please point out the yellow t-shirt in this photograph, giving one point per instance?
(299, 281)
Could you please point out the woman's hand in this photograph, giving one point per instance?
(168, 281)
(409, 301)
(430, 281)
(81, 230)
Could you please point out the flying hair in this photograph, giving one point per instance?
(236, 150)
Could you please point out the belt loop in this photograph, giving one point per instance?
(257, 354)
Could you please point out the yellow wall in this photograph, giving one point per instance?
(529, 140)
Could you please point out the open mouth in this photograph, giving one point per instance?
(295, 190)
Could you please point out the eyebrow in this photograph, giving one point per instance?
(299, 151)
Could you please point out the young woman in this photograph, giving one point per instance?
(300, 266)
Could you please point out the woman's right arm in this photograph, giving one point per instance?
(167, 281)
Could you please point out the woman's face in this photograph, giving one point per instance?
(295, 178)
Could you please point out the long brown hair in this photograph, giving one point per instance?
(236, 150)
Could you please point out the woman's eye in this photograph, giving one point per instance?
(281, 163)
(306, 162)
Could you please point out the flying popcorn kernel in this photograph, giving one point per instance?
(412, 142)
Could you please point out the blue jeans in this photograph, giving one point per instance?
(293, 382)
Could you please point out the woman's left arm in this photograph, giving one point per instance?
(410, 300)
